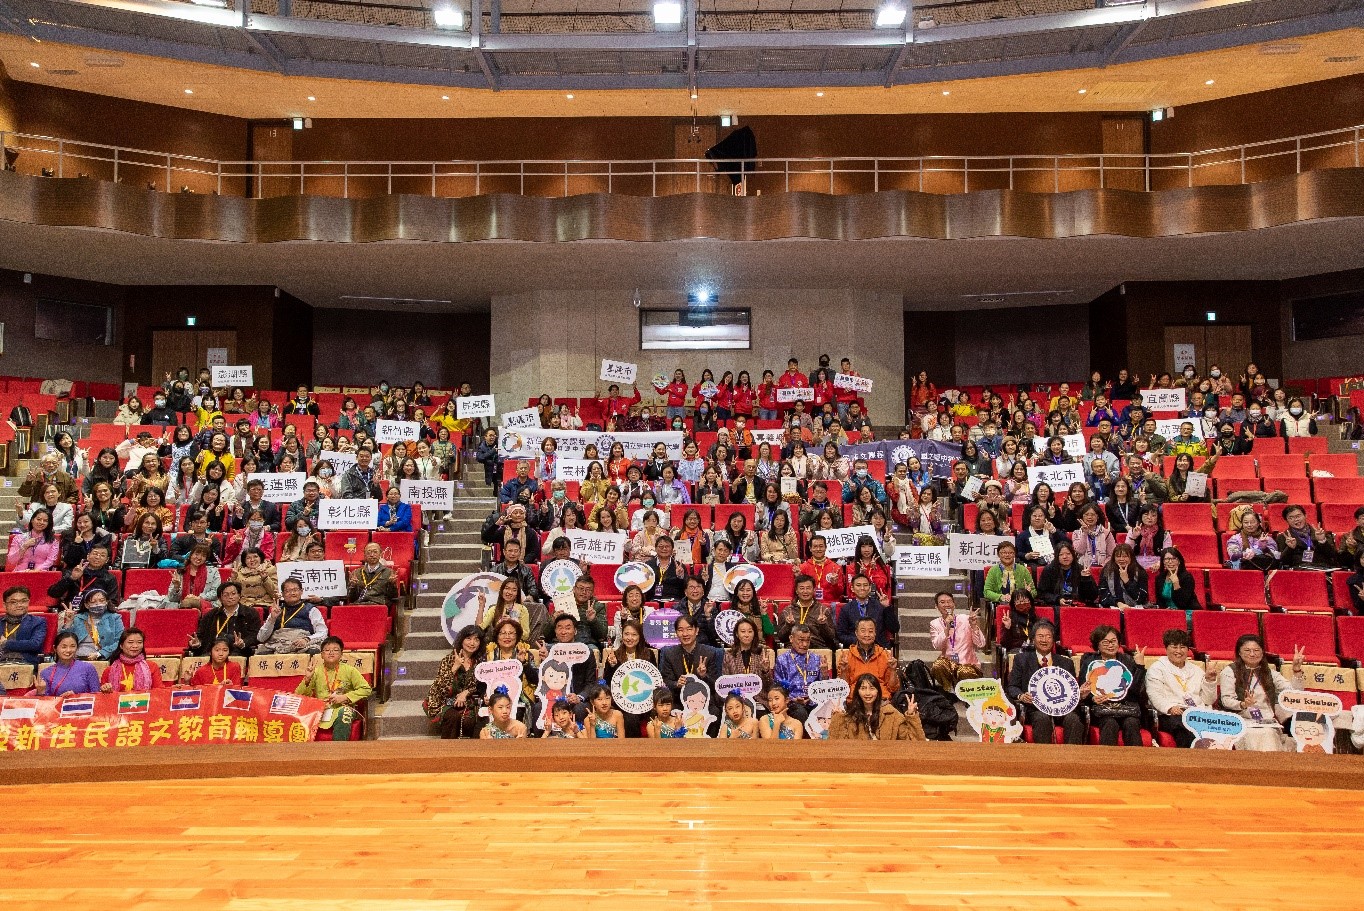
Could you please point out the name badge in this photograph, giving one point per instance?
(1257, 715)
(1190, 702)
(1307, 557)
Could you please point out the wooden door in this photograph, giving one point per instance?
(1124, 144)
(1186, 335)
(692, 142)
(273, 142)
(176, 348)
(1229, 347)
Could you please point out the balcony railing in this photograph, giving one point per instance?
(170, 172)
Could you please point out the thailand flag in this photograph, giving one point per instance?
(285, 704)
(78, 706)
(185, 700)
(237, 699)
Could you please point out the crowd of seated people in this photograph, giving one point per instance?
(723, 503)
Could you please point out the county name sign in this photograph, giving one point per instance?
(475, 406)
(336, 514)
(231, 376)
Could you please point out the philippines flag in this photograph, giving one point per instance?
(237, 699)
(285, 704)
(78, 706)
(185, 700)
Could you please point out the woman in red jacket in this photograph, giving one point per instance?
(824, 388)
(767, 398)
(677, 395)
(745, 396)
(724, 397)
(867, 562)
(696, 397)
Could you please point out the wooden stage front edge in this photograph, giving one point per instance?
(395, 757)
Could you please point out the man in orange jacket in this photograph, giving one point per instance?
(866, 657)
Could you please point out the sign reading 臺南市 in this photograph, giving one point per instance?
(571, 444)
(525, 419)
(1054, 691)
(596, 546)
(572, 469)
(974, 551)
(281, 487)
(429, 494)
(618, 371)
(859, 384)
(475, 406)
(320, 578)
(795, 394)
(171, 716)
(334, 514)
(231, 376)
(1057, 477)
(920, 562)
(1163, 399)
(842, 542)
(388, 432)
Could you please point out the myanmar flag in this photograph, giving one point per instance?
(134, 703)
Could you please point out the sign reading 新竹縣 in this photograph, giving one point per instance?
(921, 562)
(225, 376)
(388, 432)
(596, 546)
(1163, 399)
(429, 494)
(618, 371)
(858, 384)
(338, 514)
(475, 406)
(320, 578)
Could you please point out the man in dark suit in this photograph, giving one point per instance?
(691, 658)
(1026, 663)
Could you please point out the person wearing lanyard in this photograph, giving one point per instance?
(866, 606)
(239, 626)
(72, 588)
(690, 658)
(1251, 687)
(97, 629)
(21, 633)
(956, 637)
(796, 669)
(1173, 685)
(130, 671)
(1029, 661)
(1303, 547)
(806, 611)
(293, 625)
(68, 675)
(341, 686)
(218, 670)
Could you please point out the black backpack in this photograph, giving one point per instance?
(937, 711)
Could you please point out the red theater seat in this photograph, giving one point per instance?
(363, 627)
(1299, 591)
(1215, 632)
(1237, 589)
(1078, 622)
(1144, 627)
(1314, 633)
(167, 631)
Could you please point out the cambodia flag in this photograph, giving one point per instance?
(237, 699)
(185, 700)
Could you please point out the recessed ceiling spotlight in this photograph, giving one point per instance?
(189, 91)
(445, 98)
(312, 98)
(36, 65)
(1083, 91)
(1210, 82)
(819, 94)
(569, 96)
(946, 92)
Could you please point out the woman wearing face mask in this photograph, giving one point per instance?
(255, 536)
(1297, 421)
(705, 421)
(96, 627)
(1258, 424)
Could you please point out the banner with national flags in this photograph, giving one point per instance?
(172, 717)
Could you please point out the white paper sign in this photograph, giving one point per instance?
(790, 487)
(572, 469)
(596, 546)
(1058, 477)
(974, 551)
(921, 562)
(861, 384)
(1196, 485)
(1075, 445)
(842, 542)
(618, 371)
(334, 513)
(388, 432)
(231, 376)
(281, 487)
(525, 444)
(215, 357)
(323, 578)
(771, 437)
(520, 420)
(796, 394)
(1163, 399)
(342, 462)
(475, 406)
(1170, 429)
(971, 489)
(429, 494)
(1041, 545)
(1185, 356)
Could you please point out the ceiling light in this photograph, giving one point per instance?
(726, 120)
(35, 64)
(693, 96)
(946, 92)
(1157, 115)
(668, 14)
(1083, 91)
(890, 16)
(448, 16)
(312, 98)
(819, 94)
(189, 91)
(1209, 82)
(445, 98)
(569, 96)
(218, 4)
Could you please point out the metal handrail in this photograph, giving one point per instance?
(73, 155)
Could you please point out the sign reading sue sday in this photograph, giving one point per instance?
(232, 376)
(335, 514)
(475, 406)
(618, 371)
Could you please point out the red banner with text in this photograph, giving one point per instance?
(167, 717)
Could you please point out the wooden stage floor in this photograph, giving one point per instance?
(481, 833)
